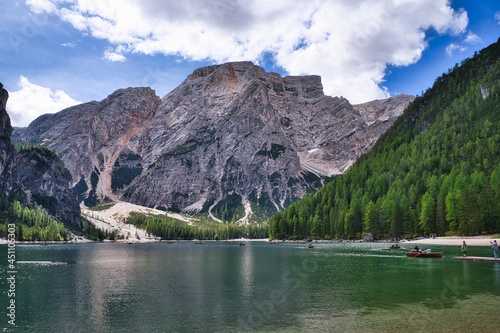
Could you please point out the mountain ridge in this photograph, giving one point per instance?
(228, 131)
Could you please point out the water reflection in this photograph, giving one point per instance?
(223, 287)
(246, 271)
(106, 277)
(496, 275)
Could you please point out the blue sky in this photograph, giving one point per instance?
(56, 53)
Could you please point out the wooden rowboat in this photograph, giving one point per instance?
(424, 254)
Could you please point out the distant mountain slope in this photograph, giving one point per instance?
(435, 171)
(231, 139)
(35, 176)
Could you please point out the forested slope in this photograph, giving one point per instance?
(31, 224)
(436, 171)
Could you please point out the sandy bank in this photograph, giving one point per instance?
(76, 239)
(469, 240)
(112, 219)
(247, 240)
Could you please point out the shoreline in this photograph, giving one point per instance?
(134, 241)
(452, 241)
(455, 240)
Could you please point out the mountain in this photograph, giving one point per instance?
(35, 176)
(231, 140)
(7, 151)
(435, 171)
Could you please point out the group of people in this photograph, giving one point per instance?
(494, 247)
(419, 250)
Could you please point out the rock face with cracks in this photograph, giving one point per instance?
(231, 140)
(35, 176)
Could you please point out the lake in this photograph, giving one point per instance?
(223, 287)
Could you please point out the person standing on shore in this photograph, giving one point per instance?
(494, 246)
(464, 249)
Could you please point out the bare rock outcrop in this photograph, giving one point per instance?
(6, 149)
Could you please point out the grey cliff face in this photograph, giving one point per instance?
(6, 149)
(228, 131)
(45, 181)
(5, 126)
(35, 176)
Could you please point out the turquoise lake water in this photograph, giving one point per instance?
(223, 287)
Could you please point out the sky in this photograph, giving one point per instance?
(58, 53)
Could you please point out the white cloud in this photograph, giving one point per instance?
(497, 17)
(348, 42)
(450, 49)
(69, 44)
(41, 6)
(472, 38)
(114, 56)
(31, 101)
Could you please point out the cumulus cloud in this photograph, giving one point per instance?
(348, 42)
(32, 101)
(497, 17)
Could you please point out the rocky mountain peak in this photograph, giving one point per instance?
(234, 75)
(230, 135)
(129, 96)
